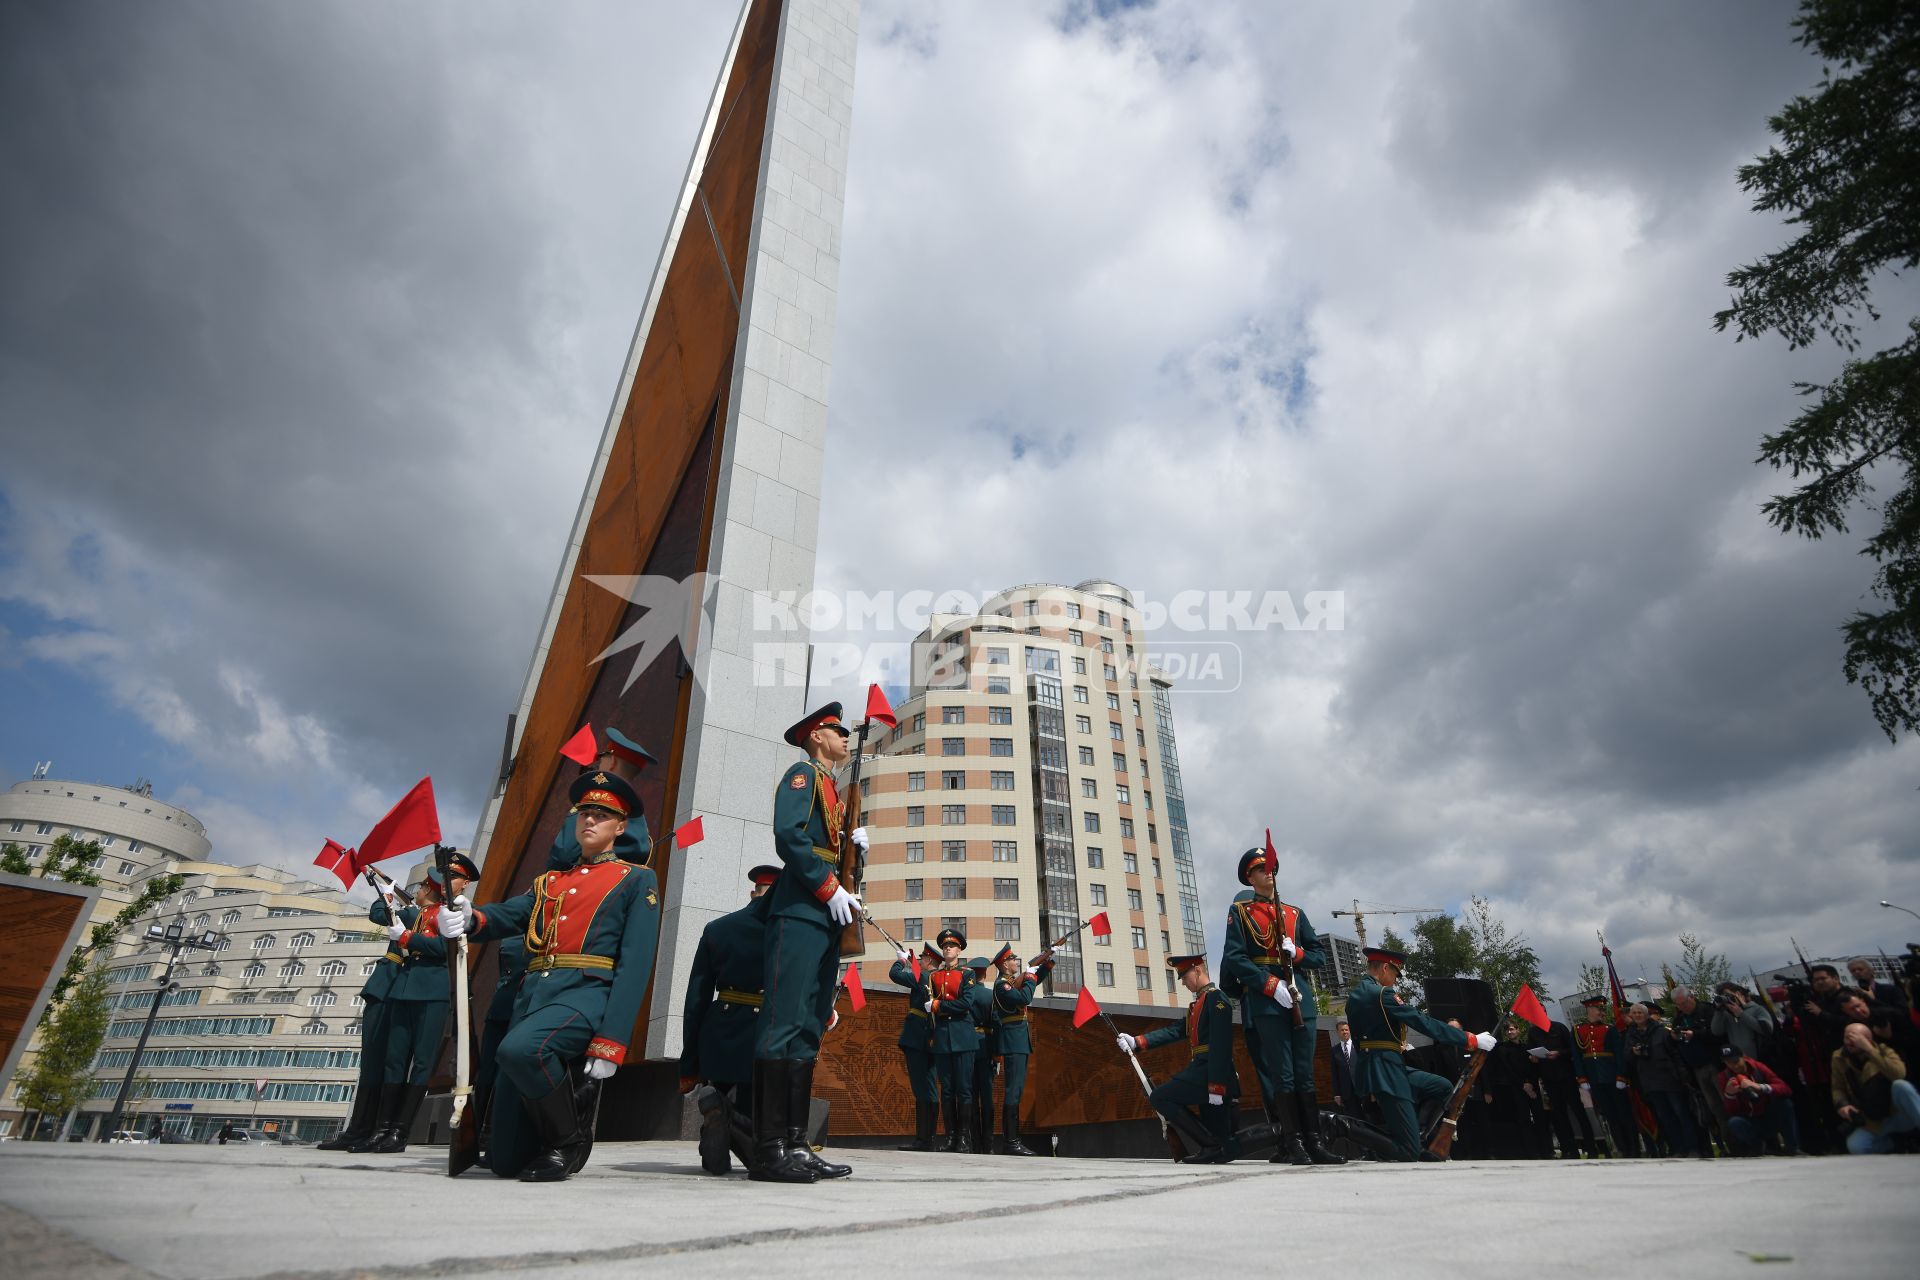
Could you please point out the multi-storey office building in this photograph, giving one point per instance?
(1033, 783)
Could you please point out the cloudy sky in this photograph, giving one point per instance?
(313, 313)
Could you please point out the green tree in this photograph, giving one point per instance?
(1592, 978)
(1442, 948)
(73, 861)
(1843, 171)
(1700, 970)
(1504, 960)
(62, 1072)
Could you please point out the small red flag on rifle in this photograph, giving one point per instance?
(1273, 858)
(879, 709)
(1085, 1009)
(691, 832)
(1527, 1005)
(856, 994)
(581, 747)
(342, 862)
(412, 824)
(1100, 926)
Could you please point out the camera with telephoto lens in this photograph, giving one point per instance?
(1725, 1000)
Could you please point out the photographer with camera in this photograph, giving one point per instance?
(1699, 1050)
(1872, 1094)
(1758, 1105)
(1740, 1021)
(1661, 1078)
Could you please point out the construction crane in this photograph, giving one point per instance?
(1360, 916)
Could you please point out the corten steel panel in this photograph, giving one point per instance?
(45, 920)
(685, 366)
(1074, 1077)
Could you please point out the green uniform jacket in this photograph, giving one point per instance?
(590, 933)
(1598, 1049)
(1379, 1019)
(916, 1028)
(723, 996)
(512, 964)
(1010, 1001)
(957, 1018)
(1208, 1031)
(380, 981)
(423, 975)
(806, 822)
(1250, 967)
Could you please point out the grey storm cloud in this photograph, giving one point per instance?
(313, 313)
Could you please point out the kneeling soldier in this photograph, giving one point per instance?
(1208, 1081)
(1379, 1020)
(723, 1019)
(590, 932)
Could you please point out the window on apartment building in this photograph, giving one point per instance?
(263, 942)
(1119, 762)
(1086, 756)
(1089, 789)
(1166, 944)
(953, 779)
(1079, 666)
(126, 868)
(301, 940)
(997, 656)
(1108, 671)
(953, 922)
(1148, 796)
(1130, 863)
(1083, 723)
(1073, 611)
(999, 715)
(248, 997)
(1123, 793)
(952, 887)
(917, 780)
(916, 889)
(1006, 889)
(1160, 902)
(1133, 900)
(916, 815)
(953, 715)
(1097, 894)
(1142, 978)
(19, 824)
(1003, 815)
(253, 970)
(1139, 939)
(953, 815)
(953, 851)
(333, 968)
(1156, 868)
(135, 846)
(916, 851)
(1080, 693)
(1090, 821)
(1106, 620)
(1103, 974)
(1096, 856)
(1140, 739)
(919, 721)
(1169, 982)
(1029, 607)
(1126, 828)
(1153, 834)
(1113, 702)
(1106, 644)
(281, 997)
(1002, 780)
(913, 927)
(1006, 928)
(1115, 732)
(46, 829)
(953, 746)
(291, 969)
(999, 684)
(321, 999)
(1000, 746)
(1006, 851)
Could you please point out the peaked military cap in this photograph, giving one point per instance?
(1002, 953)
(622, 747)
(603, 790)
(1248, 861)
(828, 715)
(1398, 959)
(765, 873)
(1180, 964)
(951, 934)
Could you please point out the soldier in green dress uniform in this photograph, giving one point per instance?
(1379, 1020)
(420, 1001)
(1600, 1048)
(987, 1059)
(1266, 937)
(809, 909)
(363, 1124)
(916, 1043)
(590, 934)
(954, 1006)
(722, 1020)
(1208, 1081)
(1012, 992)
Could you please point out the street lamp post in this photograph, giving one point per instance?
(174, 938)
(1897, 907)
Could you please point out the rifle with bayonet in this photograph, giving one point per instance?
(463, 1125)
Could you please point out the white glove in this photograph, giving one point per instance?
(1484, 1041)
(1286, 946)
(600, 1068)
(454, 922)
(859, 837)
(1586, 1089)
(1538, 1054)
(833, 1019)
(1127, 1043)
(928, 1006)
(1406, 1046)
(1619, 1084)
(1034, 974)
(906, 957)
(1216, 1100)
(1282, 996)
(394, 931)
(842, 906)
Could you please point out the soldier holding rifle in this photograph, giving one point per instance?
(1208, 1081)
(1012, 992)
(916, 1042)
(1380, 1020)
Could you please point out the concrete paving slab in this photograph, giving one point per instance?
(181, 1213)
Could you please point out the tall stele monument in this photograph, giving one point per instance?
(710, 465)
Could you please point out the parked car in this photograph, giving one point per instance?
(244, 1135)
(169, 1138)
(134, 1136)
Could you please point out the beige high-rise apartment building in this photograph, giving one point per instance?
(1033, 782)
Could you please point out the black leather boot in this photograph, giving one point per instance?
(1309, 1107)
(773, 1159)
(391, 1098)
(950, 1112)
(1010, 1121)
(557, 1128)
(983, 1123)
(360, 1124)
(1288, 1149)
(394, 1140)
(962, 1127)
(716, 1119)
(586, 1112)
(925, 1116)
(799, 1095)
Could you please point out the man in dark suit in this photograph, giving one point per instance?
(1346, 1095)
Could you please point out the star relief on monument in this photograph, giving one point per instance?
(674, 610)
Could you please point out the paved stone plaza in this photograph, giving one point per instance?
(116, 1213)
